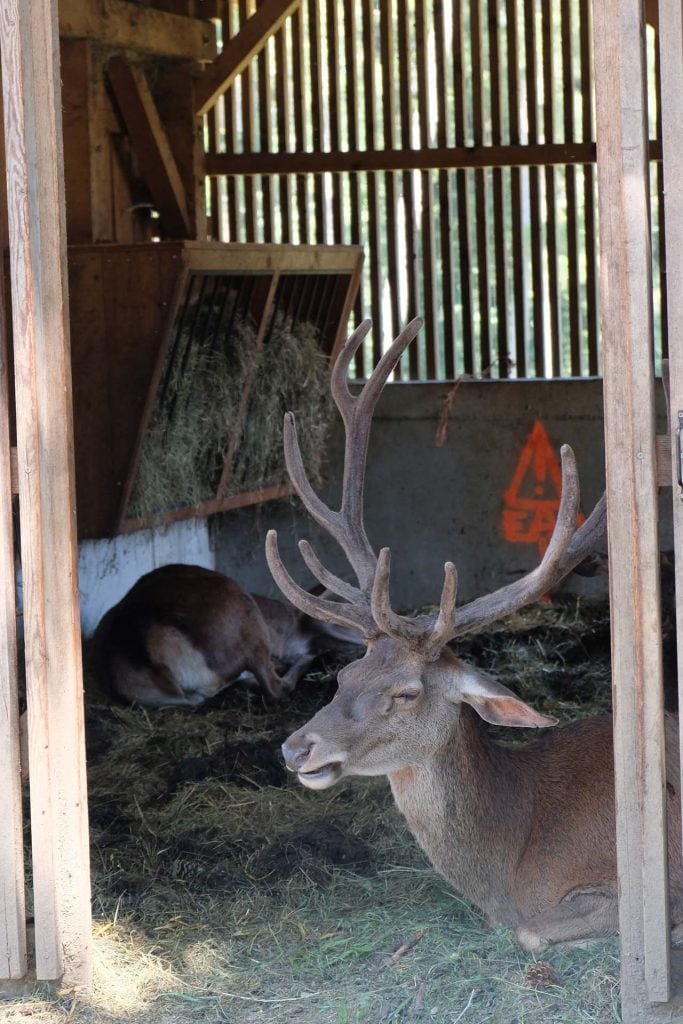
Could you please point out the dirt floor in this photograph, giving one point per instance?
(225, 891)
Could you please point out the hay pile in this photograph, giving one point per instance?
(241, 897)
(199, 414)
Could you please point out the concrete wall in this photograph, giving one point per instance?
(109, 568)
(429, 504)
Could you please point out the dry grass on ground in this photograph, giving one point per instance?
(225, 892)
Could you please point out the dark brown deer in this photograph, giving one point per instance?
(183, 633)
(527, 833)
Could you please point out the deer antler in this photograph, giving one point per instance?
(346, 525)
(367, 606)
(567, 547)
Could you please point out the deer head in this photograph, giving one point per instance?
(399, 704)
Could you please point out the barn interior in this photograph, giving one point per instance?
(243, 183)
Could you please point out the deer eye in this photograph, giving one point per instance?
(404, 698)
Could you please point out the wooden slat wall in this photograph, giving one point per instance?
(499, 259)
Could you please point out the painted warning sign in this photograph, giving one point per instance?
(531, 501)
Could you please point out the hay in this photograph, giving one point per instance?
(225, 891)
(292, 375)
(193, 421)
(198, 411)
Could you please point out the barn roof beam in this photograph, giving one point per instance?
(238, 51)
(151, 145)
(144, 29)
(427, 158)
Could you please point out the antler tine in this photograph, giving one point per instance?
(345, 525)
(385, 617)
(440, 634)
(317, 607)
(357, 415)
(566, 549)
(331, 582)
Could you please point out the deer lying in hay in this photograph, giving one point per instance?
(527, 833)
(183, 633)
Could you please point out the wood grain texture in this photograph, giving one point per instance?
(670, 39)
(35, 176)
(239, 50)
(131, 26)
(12, 900)
(625, 277)
(150, 142)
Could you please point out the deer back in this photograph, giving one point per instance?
(182, 633)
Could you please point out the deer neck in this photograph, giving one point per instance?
(469, 807)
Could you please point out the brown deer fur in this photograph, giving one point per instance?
(183, 633)
(527, 833)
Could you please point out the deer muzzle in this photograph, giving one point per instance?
(315, 764)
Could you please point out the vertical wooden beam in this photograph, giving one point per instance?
(670, 43)
(625, 276)
(35, 184)
(12, 909)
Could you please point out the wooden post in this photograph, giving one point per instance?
(12, 899)
(35, 179)
(626, 290)
(670, 42)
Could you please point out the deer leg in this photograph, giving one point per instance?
(295, 671)
(584, 913)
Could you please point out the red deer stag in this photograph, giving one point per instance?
(183, 633)
(527, 833)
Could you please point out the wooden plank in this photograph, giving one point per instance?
(550, 204)
(535, 154)
(374, 228)
(207, 508)
(12, 898)
(352, 52)
(589, 203)
(100, 114)
(670, 42)
(570, 192)
(499, 243)
(35, 174)
(298, 66)
(476, 39)
(625, 275)
(388, 107)
(116, 23)
(173, 90)
(535, 219)
(76, 74)
(315, 115)
(244, 258)
(247, 96)
(239, 50)
(265, 139)
(406, 58)
(518, 290)
(150, 142)
(448, 344)
(426, 230)
(461, 184)
(283, 107)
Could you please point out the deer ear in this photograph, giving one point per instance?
(494, 702)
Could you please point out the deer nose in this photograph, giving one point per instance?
(296, 750)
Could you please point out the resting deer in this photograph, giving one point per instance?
(183, 633)
(527, 833)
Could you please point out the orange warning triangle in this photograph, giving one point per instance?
(537, 479)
